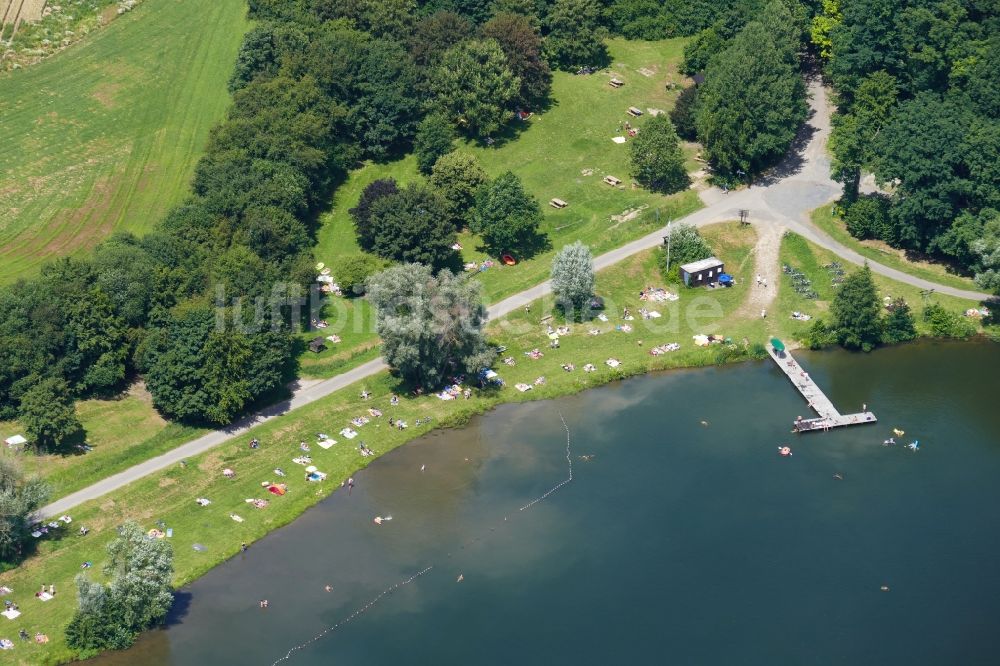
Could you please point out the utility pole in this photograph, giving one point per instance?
(668, 243)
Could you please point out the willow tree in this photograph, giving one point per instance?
(431, 325)
(573, 275)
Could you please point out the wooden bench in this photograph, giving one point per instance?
(635, 112)
(616, 83)
(557, 203)
(611, 180)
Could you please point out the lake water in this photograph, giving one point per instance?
(675, 543)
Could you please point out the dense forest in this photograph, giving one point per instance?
(918, 85)
(320, 86)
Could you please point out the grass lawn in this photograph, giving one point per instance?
(105, 135)
(122, 432)
(810, 259)
(550, 153)
(824, 218)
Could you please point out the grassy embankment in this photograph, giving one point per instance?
(122, 432)
(105, 135)
(550, 153)
(811, 259)
(167, 498)
(826, 219)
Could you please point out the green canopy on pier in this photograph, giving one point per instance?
(778, 345)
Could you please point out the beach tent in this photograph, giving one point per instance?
(16, 440)
(778, 345)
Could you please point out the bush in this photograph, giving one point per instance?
(353, 272)
(868, 217)
(947, 324)
(819, 336)
(686, 245)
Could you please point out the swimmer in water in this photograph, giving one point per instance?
(328, 588)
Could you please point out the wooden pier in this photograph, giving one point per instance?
(828, 417)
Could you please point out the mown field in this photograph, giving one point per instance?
(563, 151)
(105, 135)
(120, 433)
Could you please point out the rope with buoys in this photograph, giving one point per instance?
(569, 462)
(389, 590)
(386, 591)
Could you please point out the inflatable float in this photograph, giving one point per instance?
(508, 260)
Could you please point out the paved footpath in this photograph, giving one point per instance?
(786, 200)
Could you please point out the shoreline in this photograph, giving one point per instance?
(463, 418)
(166, 497)
(457, 419)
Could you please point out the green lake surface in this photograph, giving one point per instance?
(675, 542)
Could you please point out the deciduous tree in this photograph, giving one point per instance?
(508, 217)
(751, 104)
(457, 177)
(852, 140)
(573, 276)
(435, 137)
(20, 497)
(522, 45)
(475, 87)
(208, 366)
(362, 213)
(656, 158)
(574, 37)
(430, 325)
(137, 597)
(48, 415)
(413, 225)
(923, 147)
